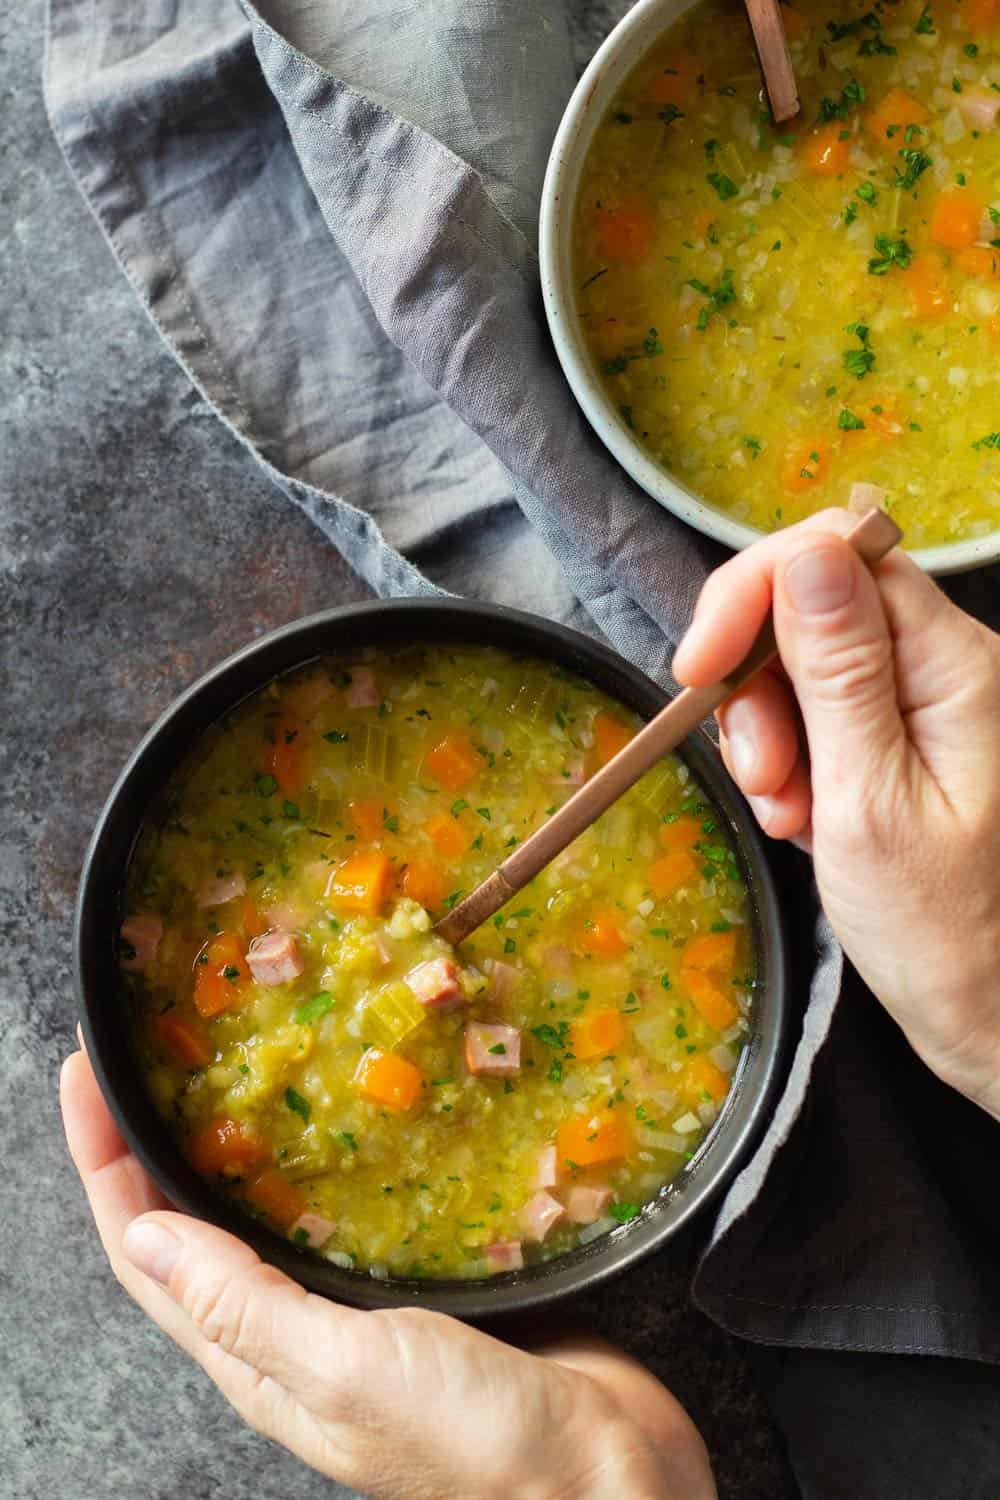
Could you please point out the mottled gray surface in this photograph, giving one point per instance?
(138, 545)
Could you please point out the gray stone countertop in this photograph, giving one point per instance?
(139, 544)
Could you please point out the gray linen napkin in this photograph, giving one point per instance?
(330, 212)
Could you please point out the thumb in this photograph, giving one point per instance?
(241, 1307)
(836, 647)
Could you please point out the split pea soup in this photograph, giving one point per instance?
(782, 312)
(329, 1062)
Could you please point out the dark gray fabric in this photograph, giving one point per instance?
(329, 211)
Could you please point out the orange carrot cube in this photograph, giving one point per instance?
(388, 1079)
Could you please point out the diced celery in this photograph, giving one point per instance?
(372, 751)
(392, 1014)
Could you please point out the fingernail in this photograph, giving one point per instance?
(742, 756)
(152, 1249)
(820, 580)
(763, 810)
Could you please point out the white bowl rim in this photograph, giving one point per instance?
(617, 54)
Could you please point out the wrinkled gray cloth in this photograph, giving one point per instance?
(330, 210)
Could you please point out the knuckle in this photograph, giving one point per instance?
(854, 670)
(227, 1313)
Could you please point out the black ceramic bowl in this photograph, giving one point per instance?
(100, 912)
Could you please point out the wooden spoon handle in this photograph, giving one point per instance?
(776, 64)
(872, 538)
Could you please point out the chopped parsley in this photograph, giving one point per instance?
(624, 1212)
(916, 163)
(296, 1103)
(313, 1009)
(336, 737)
(551, 1036)
(717, 297)
(889, 252)
(859, 362)
(991, 440)
(925, 23)
(346, 1139)
(753, 444)
(266, 786)
(724, 186)
(848, 422)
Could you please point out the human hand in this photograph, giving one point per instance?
(876, 743)
(402, 1403)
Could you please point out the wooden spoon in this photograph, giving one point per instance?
(776, 64)
(872, 538)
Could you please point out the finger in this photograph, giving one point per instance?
(787, 813)
(248, 1310)
(834, 640)
(761, 728)
(734, 602)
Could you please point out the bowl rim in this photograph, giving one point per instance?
(99, 985)
(613, 60)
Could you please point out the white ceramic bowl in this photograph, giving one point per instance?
(620, 52)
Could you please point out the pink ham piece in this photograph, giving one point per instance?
(218, 892)
(143, 933)
(979, 108)
(539, 1215)
(361, 691)
(577, 774)
(585, 1205)
(547, 1173)
(435, 984)
(492, 1051)
(505, 1255)
(312, 1230)
(275, 958)
(503, 981)
(865, 497)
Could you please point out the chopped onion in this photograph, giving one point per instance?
(706, 1114)
(663, 1140)
(723, 1059)
(953, 127)
(379, 1271)
(595, 1230)
(687, 1123)
(340, 1258)
(958, 377)
(865, 497)
(646, 907)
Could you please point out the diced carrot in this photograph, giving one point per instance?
(610, 736)
(252, 923)
(980, 16)
(701, 1076)
(596, 1035)
(220, 975)
(675, 82)
(682, 833)
(712, 952)
(881, 420)
(712, 1004)
(824, 153)
(224, 1148)
(668, 874)
(955, 218)
(274, 1196)
(601, 935)
(453, 761)
(804, 465)
(979, 260)
(180, 1038)
(626, 232)
(927, 286)
(423, 882)
(386, 1078)
(897, 110)
(449, 835)
(369, 818)
(585, 1140)
(361, 883)
(796, 24)
(286, 761)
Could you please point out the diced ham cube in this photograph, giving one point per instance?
(558, 961)
(577, 774)
(362, 691)
(492, 1051)
(312, 1230)
(143, 933)
(539, 1215)
(218, 892)
(435, 984)
(275, 958)
(505, 1255)
(547, 1174)
(503, 981)
(584, 1205)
